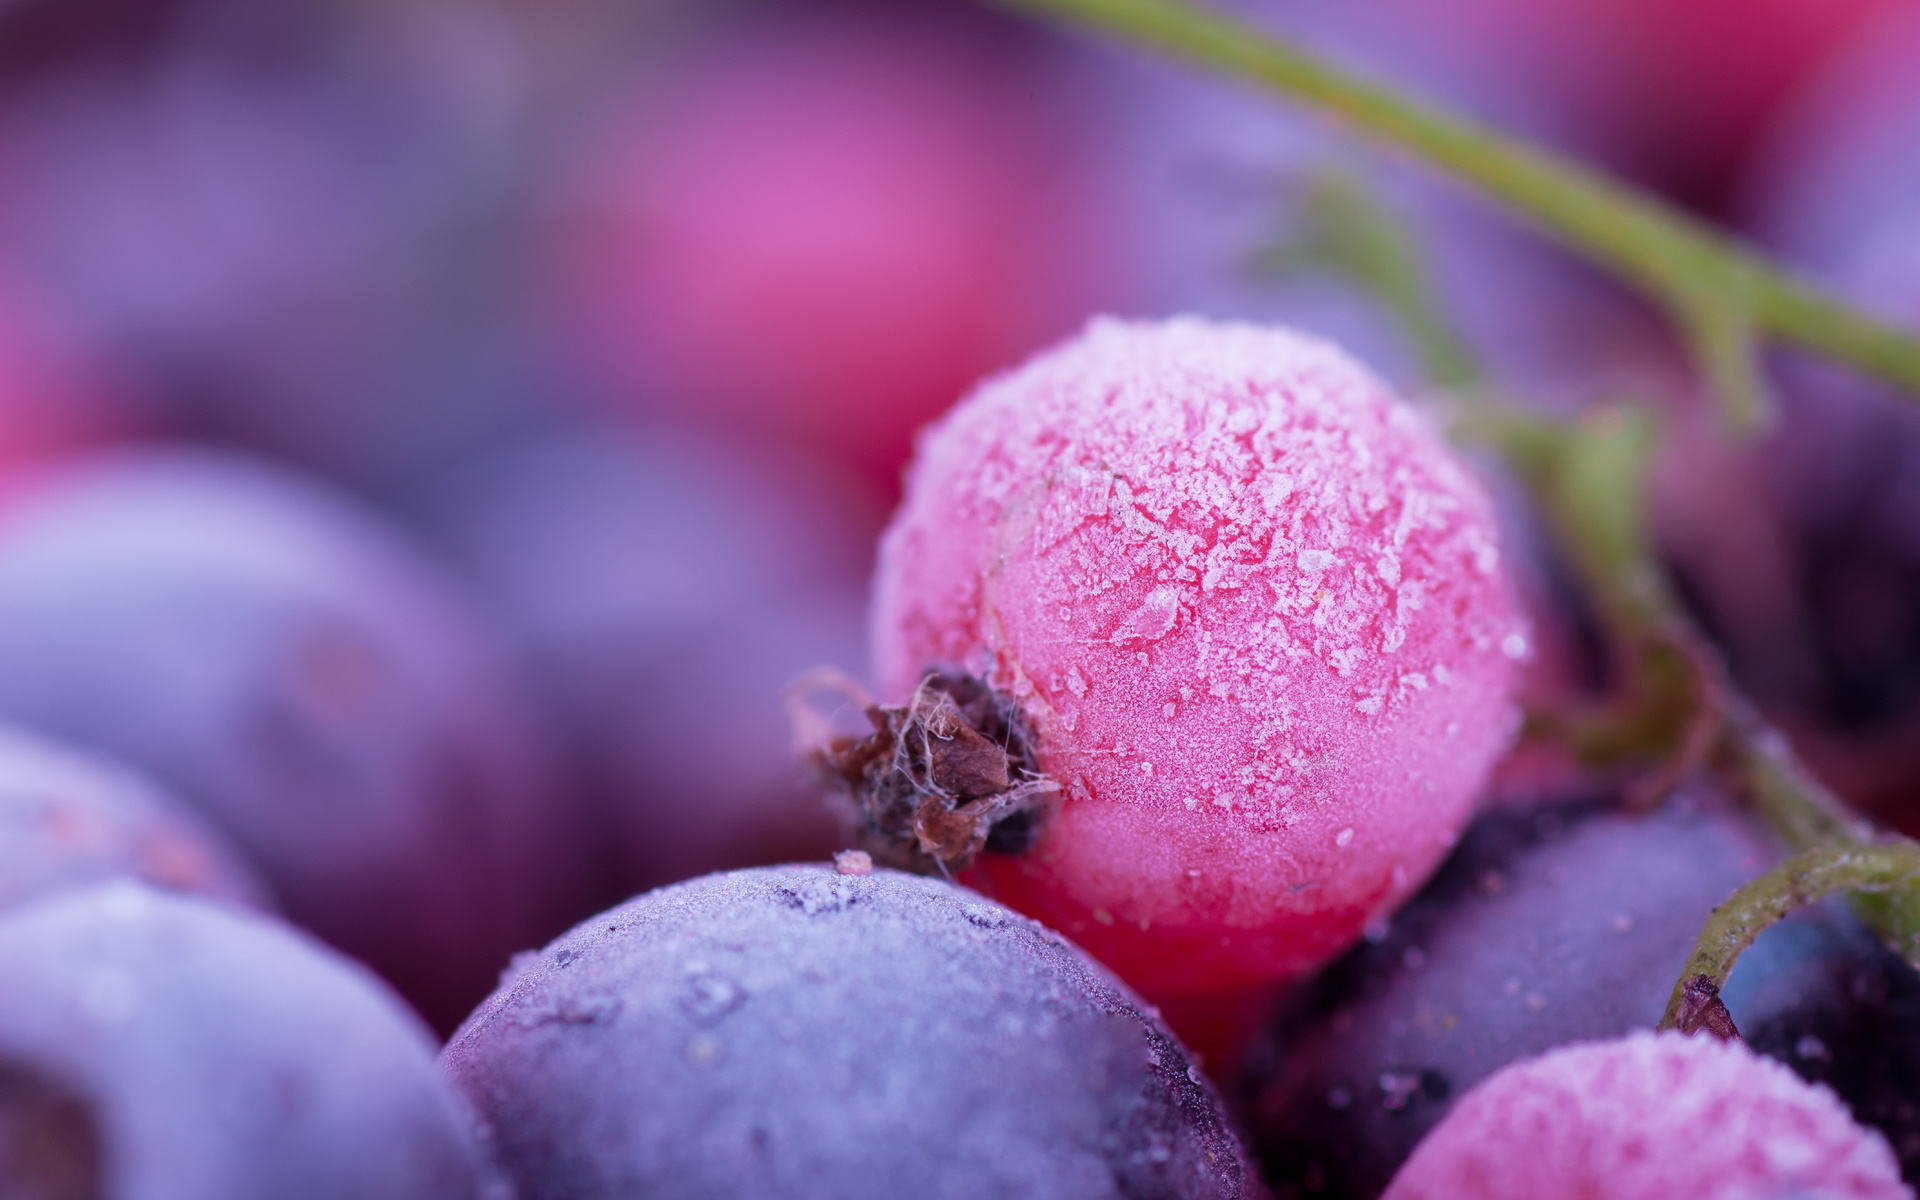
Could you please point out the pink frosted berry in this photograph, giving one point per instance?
(1254, 612)
(1646, 1117)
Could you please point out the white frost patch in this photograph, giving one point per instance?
(1314, 562)
(1154, 619)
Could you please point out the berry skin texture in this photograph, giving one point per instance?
(159, 1046)
(805, 1032)
(1256, 613)
(1647, 1117)
(69, 819)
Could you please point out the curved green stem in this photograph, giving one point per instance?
(1796, 882)
(1721, 293)
(1588, 479)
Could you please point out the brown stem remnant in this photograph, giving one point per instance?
(1702, 1010)
(947, 775)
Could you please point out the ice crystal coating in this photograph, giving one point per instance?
(1254, 609)
(1648, 1117)
(797, 1032)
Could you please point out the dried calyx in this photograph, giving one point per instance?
(941, 778)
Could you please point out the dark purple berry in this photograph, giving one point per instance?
(159, 1046)
(297, 672)
(791, 1031)
(1559, 926)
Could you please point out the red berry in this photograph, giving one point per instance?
(823, 229)
(1649, 1115)
(1255, 614)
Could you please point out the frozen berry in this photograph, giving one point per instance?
(794, 1031)
(1647, 1117)
(1557, 926)
(1254, 613)
(824, 227)
(662, 591)
(68, 819)
(159, 1046)
(289, 666)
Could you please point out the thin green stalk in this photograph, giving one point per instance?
(1722, 294)
(1799, 881)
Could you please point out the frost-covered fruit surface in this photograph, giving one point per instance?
(1564, 925)
(1647, 1117)
(662, 591)
(792, 1031)
(1255, 612)
(68, 819)
(155, 1046)
(292, 668)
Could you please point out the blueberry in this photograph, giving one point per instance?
(293, 669)
(159, 1046)
(796, 1032)
(69, 819)
(1558, 926)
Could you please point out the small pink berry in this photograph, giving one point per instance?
(1647, 1117)
(1254, 612)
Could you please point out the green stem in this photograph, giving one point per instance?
(1796, 882)
(1720, 292)
(1588, 477)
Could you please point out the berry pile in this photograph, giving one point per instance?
(445, 458)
